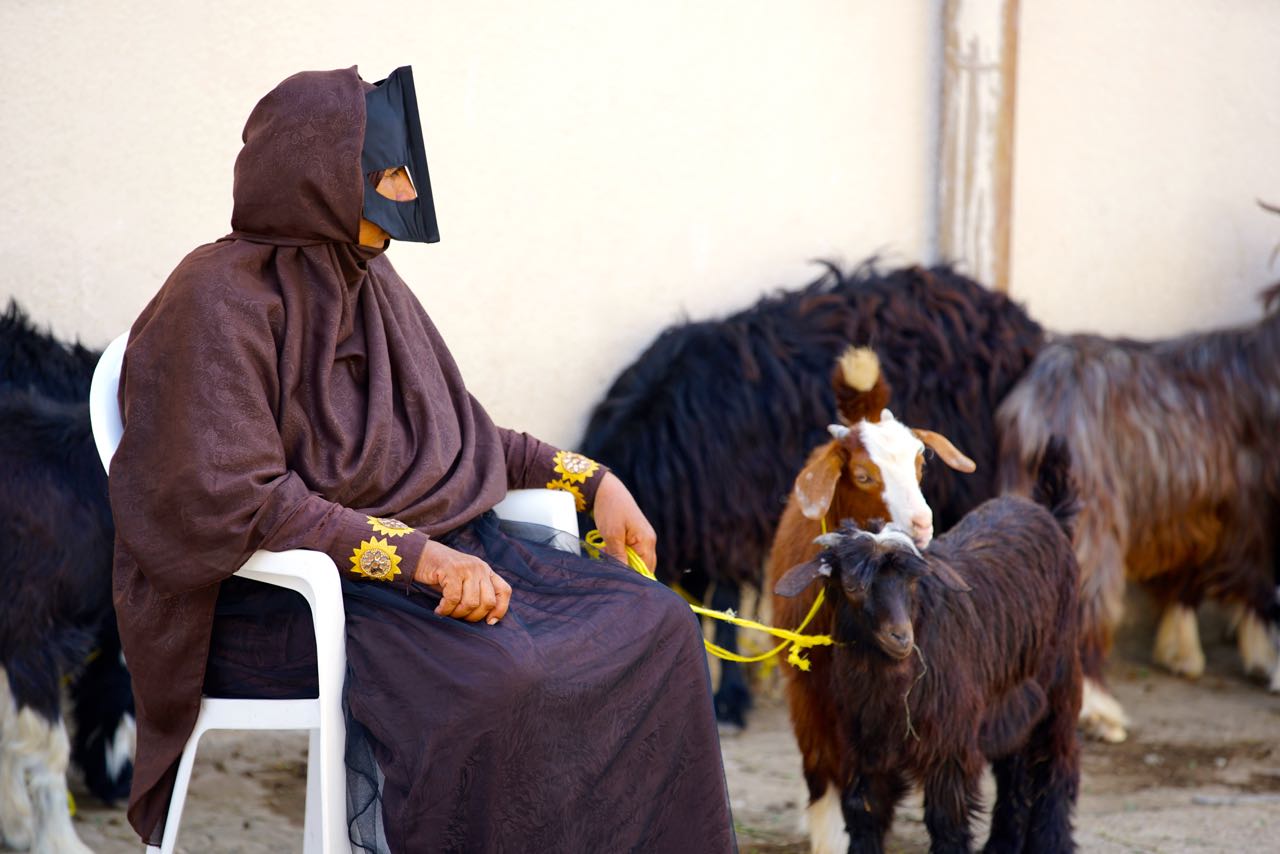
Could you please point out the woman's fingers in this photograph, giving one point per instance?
(502, 594)
(469, 589)
(615, 543)
(450, 593)
(488, 598)
(646, 545)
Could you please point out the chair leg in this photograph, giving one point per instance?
(180, 785)
(312, 827)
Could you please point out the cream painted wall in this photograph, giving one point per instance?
(600, 168)
(1145, 132)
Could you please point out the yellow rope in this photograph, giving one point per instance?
(594, 542)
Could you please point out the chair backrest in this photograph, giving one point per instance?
(104, 406)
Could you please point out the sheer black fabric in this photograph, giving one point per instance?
(579, 723)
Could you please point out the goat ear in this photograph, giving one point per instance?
(816, 483)
(942, 446)
(800, 576)
(950, 579)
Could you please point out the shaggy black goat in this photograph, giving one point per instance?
(56, 618)
(947, 660)
(710, 424)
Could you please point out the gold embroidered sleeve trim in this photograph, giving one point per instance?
(579, 499)
(574, 468)
(389, 527)
(376, 559)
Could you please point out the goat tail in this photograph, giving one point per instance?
(1054, 488)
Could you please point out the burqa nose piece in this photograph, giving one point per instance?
(393, 137)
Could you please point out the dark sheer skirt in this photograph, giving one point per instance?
(581, 722)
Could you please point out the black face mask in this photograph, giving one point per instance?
(393, 137)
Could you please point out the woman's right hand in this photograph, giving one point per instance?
(469, 589)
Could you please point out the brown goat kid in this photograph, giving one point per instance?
(1174, 443)
(990, 612)
(869, 472)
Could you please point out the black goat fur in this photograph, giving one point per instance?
(56, 537)
(710, 424)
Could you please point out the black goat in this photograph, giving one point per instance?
(990, 612)
(710, 424)
(56, 618)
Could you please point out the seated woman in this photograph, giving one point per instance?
(285, 389)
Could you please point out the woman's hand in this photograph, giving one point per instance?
(469, 589)
(622, 524)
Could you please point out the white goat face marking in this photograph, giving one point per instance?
(893, 448)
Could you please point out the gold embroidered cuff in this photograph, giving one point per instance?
(388, 527)
(574, 472)
(376, 559)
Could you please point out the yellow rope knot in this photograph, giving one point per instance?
(794, 640)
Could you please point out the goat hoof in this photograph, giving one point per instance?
(729, 730)
(1177, 646)
(67, 843)
(1108, 732)
(16, 838)
(1101, 715)
(1257, 647)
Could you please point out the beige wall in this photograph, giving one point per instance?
(1145, 131)
(600, 168)
(603, 168)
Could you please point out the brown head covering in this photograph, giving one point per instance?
(284, 389)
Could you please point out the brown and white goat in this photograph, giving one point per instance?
(1174, 443)
(869, 471)
(990, 612)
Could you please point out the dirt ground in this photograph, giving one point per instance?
(1200, 772)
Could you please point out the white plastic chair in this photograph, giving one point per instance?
(314, 575)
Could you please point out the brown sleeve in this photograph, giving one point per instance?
(200, 480)
(533, 464)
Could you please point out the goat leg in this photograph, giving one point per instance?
(950, 798)
(868, 806)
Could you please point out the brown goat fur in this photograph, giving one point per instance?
(826, 490)
(1173, 442)
(993, 619)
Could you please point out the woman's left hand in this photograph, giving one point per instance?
(622, 524)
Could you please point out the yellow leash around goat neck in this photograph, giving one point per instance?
(594, 542)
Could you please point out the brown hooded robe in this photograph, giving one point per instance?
(285, 389)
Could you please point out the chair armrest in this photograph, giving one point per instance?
(315, 576)
(553, 508)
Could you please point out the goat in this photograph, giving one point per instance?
(1173, 442)
(991, 613)
(709, 425)
(56, 619)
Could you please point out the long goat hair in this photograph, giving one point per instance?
(710, 424)
(1174, 443)
(35, 360)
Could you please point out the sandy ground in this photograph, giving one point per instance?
(1200, 772)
